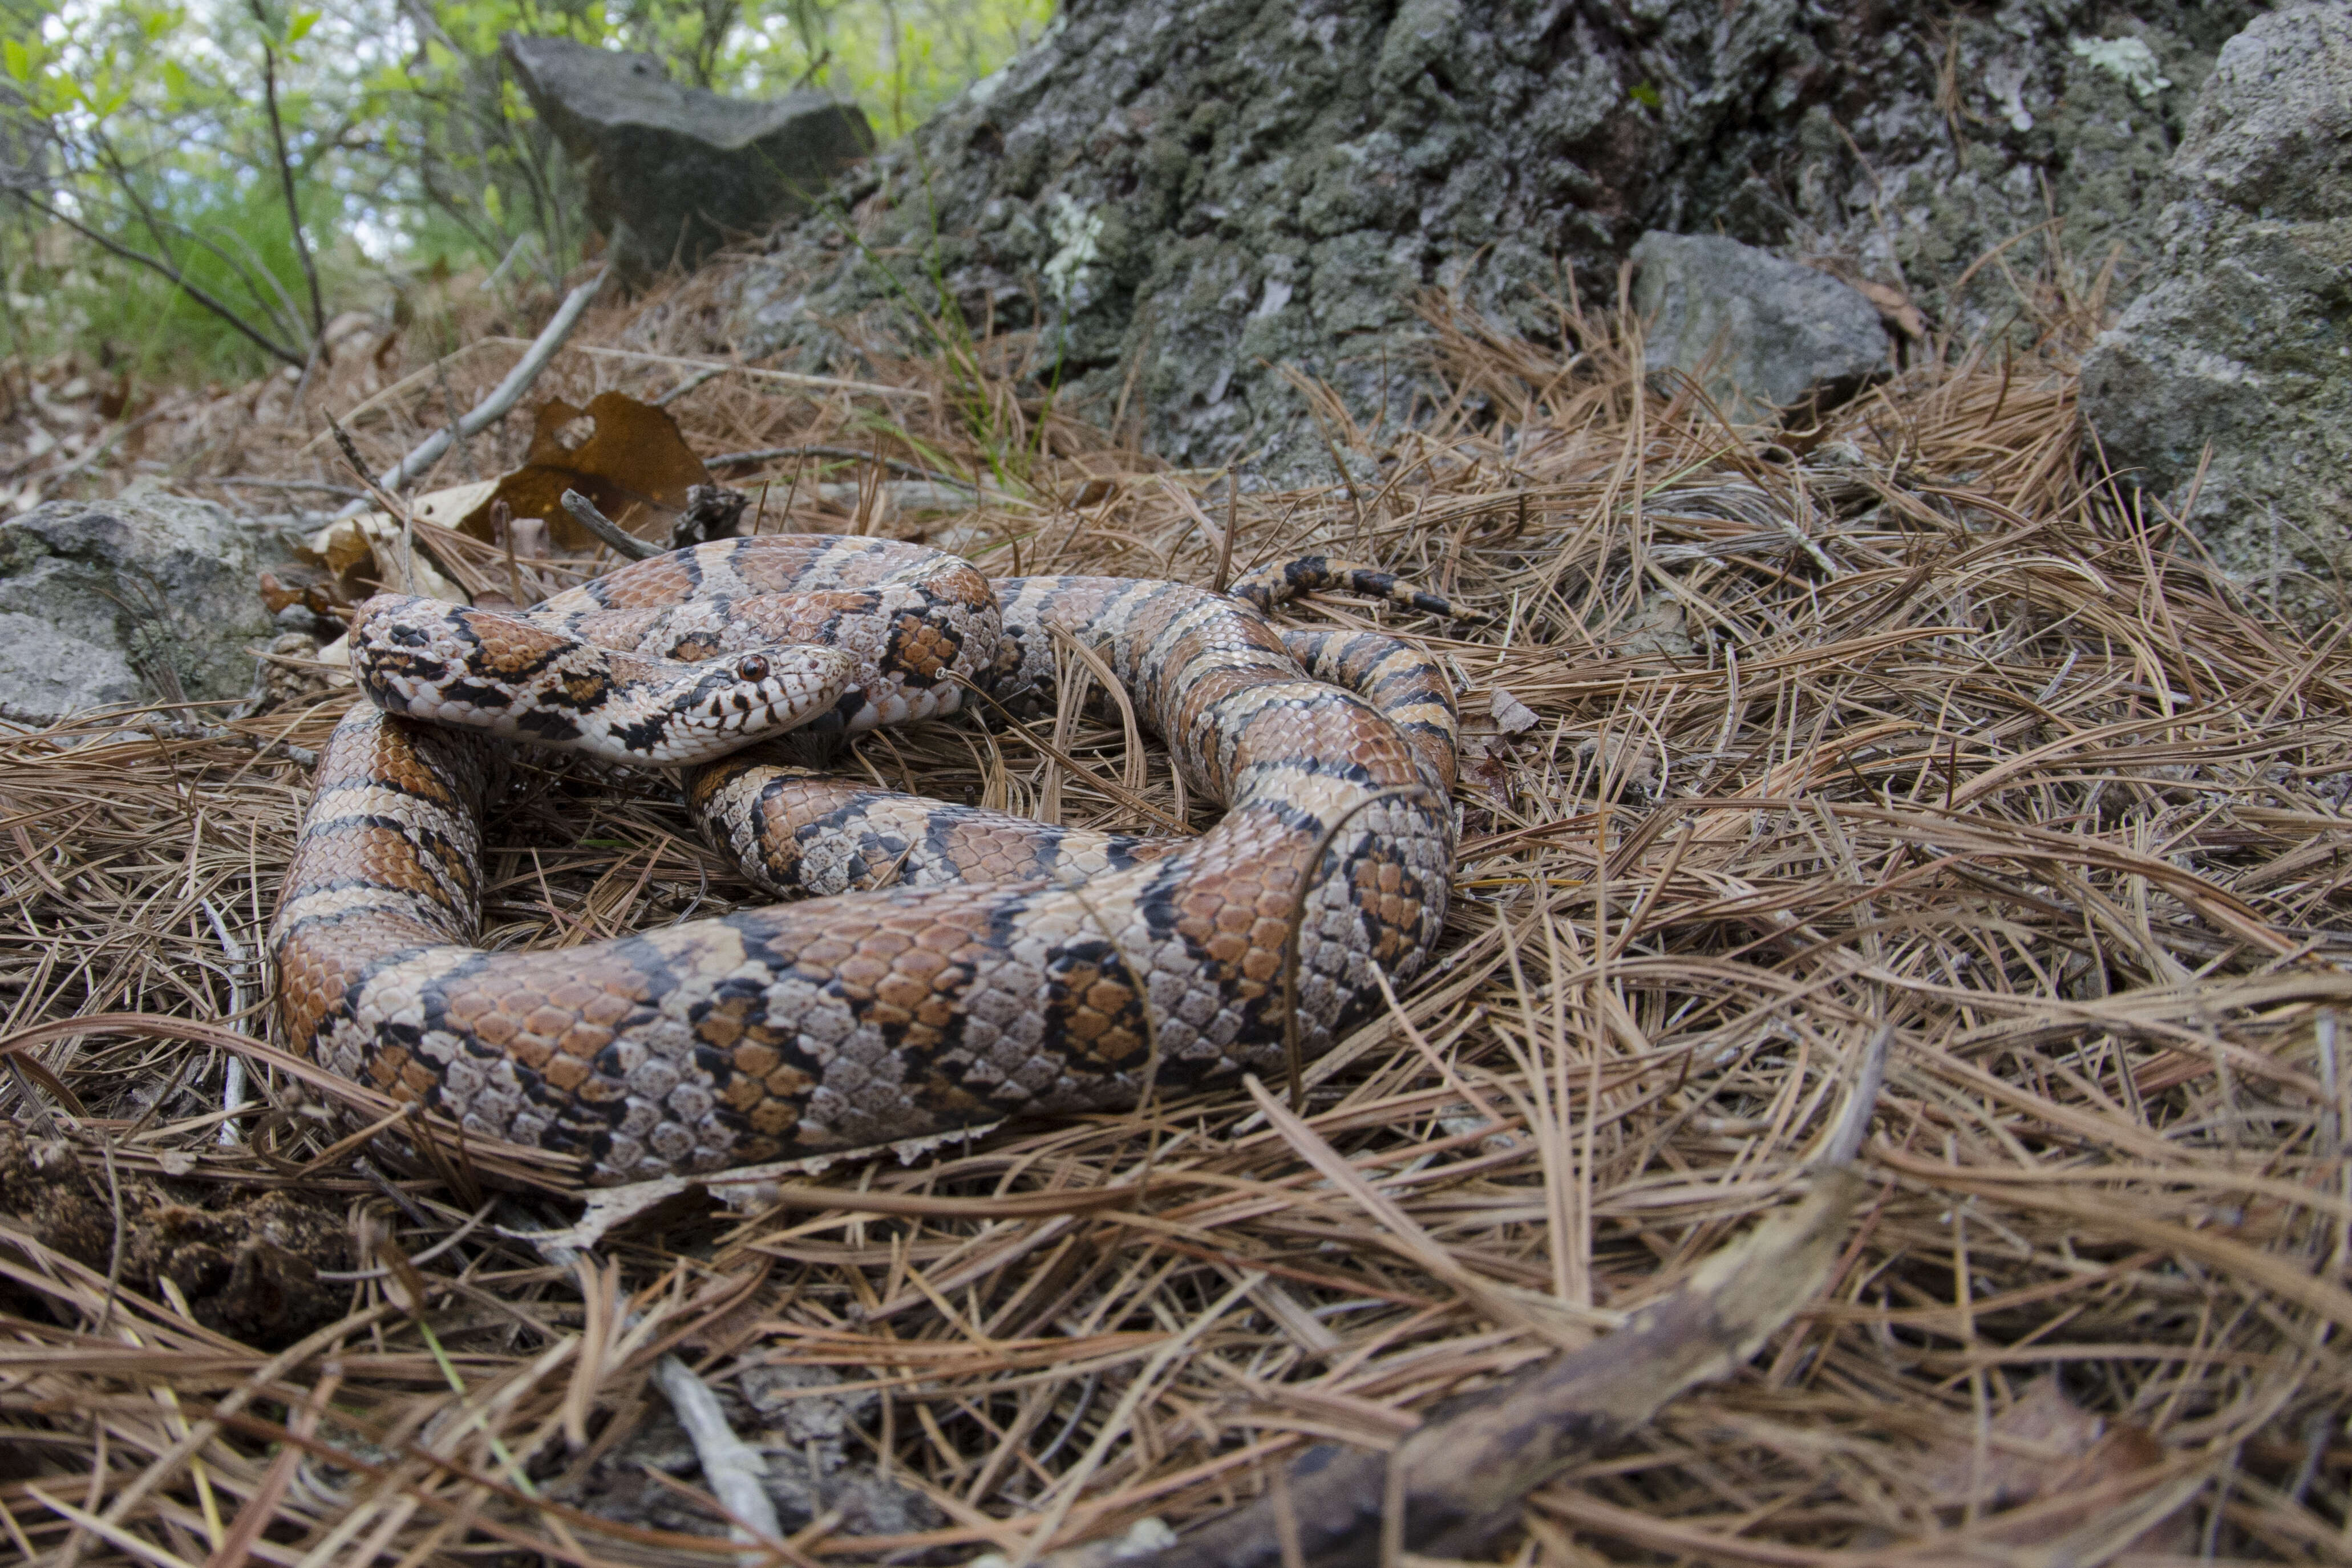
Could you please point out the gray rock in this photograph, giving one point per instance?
(1186, 198)
(1759, 334)
(2242, 339)
(135, 599)
(674, 172)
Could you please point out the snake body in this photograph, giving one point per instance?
(957, 965)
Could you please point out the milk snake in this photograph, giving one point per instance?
(957, 965)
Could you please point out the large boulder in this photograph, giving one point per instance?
(2242, 340)
(141, 599)
(1186, 199)
(1762, 336)
(673, 171)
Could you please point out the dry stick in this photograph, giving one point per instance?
(756, 372)
(708, 373)
(793, 493)
(233, 1075)
(163, 268)
(501, 399)
(627, 546)
(286, 187)
(1462, 1479)
(1233, 526)
(163, 729)
(503, 523)
(392, 506)
(732, 1467)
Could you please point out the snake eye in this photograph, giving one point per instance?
(752, 668)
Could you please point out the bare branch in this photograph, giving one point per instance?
(166, 269)
(501, 398)
(285, 176)
(1460, 1478)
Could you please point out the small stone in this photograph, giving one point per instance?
(1764, 337)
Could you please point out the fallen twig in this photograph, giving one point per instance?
(162, 729)
(1459, 1477)
(584, 512)
(501, 398)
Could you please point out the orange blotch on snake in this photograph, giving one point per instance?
(601, 1089)
(774, 1117)
(583, 1040)
(549, 1023)
(490, 1028)
(566, 1072)
(902, 993)
(606, 1008)
(722, 1025)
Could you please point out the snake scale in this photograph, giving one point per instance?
(957, 965)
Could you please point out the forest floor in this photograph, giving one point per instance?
(1919, 729)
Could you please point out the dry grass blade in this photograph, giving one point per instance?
(1924, 733)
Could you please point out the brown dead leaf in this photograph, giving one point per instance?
(634, 465)
(1894, 308)
(2045, 1447)
(1485, 761)
(1512, 717)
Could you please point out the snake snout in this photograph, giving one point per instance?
(751, 696)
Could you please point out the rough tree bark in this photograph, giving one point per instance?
(1184, 196)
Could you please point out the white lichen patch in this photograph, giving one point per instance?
(1078, 238)
(2129, 60)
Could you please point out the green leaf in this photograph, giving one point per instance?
(1647, 96)
(300, 27)
(19, 58)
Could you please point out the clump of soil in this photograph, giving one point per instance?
(247, 1261)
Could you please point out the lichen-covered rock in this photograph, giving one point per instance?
(147, 598)
(1761, 335)
(1186, 199)
(2242, 339)
(675, 172)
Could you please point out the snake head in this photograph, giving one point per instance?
(723, 705)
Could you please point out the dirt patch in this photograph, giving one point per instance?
(246, 1262)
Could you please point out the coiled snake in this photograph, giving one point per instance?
(963, 966)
